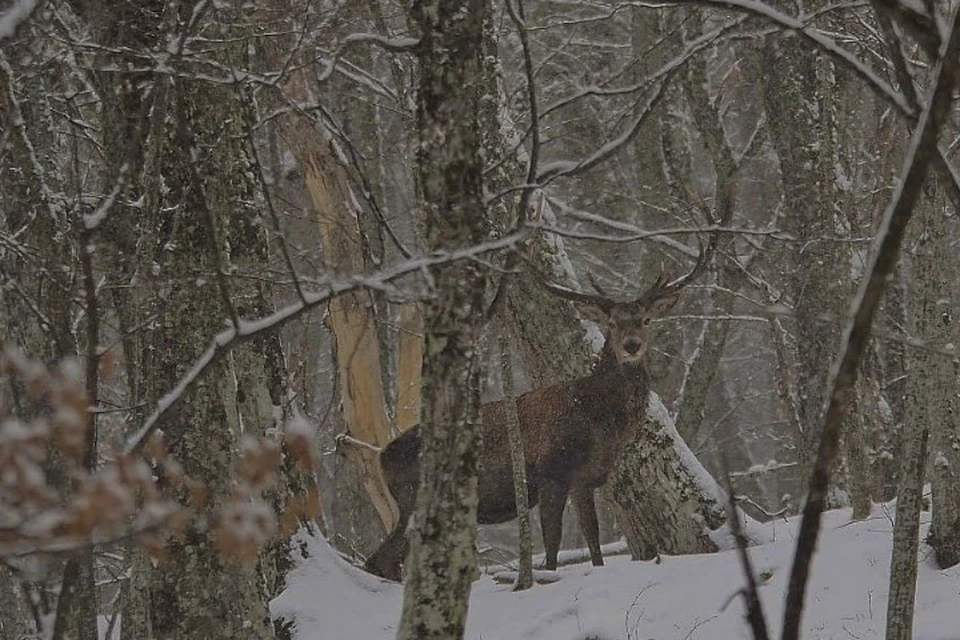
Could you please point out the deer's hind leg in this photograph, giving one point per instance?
(387, 560)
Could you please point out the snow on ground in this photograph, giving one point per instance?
(682, 597)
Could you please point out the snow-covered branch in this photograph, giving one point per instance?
(650, 79)
(658, 81)
(15, 16)
(881, 87)
(802, 26)
(92, 221)
(395, 45)
(636, 234)
(246, 330)
(892, 228)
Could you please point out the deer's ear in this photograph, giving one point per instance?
(592, 313)
(663, 304)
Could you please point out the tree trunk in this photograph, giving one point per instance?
(135, 597)
(935, 266)
(704, 365)
(705, 361)
(352, 318)
(517, 458)
(40, 219)
(799, 93)
(667, 501)
(205, 230)
(442, 562)
(903, 557)
(409, 366)
(14, 621)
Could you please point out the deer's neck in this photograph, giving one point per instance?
(628, 384)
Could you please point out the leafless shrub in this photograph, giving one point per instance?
(51, 502)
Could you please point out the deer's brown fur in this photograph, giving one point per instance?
(572, 434)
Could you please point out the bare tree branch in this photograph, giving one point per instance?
(751, 595)
(16, 15)
(390, 44)
(516, 14)
(246, 330)
(829, 45)
(906, 81)
(922, 150)
(916, 19)
(660, 80)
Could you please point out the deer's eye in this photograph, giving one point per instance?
(646, 322)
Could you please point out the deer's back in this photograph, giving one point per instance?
(569, 428)
(571, 432)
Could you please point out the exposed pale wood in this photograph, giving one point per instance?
(351, 315)
(409, 366)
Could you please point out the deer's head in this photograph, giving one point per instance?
(626, 325)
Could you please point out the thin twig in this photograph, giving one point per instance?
(228, 339)
(830, 46)
(751, 594)
(516, 14)
(892, 228)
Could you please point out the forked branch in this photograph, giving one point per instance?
(922, 150)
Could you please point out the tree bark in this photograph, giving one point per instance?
(667, 501)
(923, 148)
(797, 93)
(409, 366)
(903, 557)
(710, 344)
(201, 230)
(49, 294)
(352, 318)
(935, 265)
(802, 91)
(442, 562)
(14, 621)
(517, 458)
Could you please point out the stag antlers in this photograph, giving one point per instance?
(662, 288)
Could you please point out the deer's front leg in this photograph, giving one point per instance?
(553, 498)
(587, 517)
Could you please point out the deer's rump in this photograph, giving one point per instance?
(497, 500)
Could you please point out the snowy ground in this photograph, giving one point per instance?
(688, 597)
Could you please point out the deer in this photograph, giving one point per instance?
(572, 432)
